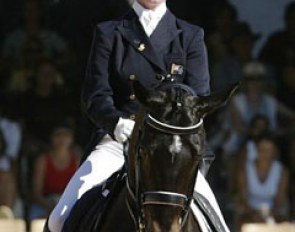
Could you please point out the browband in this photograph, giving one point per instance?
(170, 129)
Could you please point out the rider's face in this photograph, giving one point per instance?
(151, 4)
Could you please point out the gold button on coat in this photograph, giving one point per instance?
(132, 97)
(132, 77)
(141, 47)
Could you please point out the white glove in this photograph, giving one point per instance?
(123, 129)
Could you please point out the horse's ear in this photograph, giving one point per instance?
(207, 104)
(147, 97)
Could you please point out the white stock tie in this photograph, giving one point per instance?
(148, 23)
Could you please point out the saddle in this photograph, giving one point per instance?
(87, 213)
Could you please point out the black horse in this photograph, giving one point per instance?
(163, 159)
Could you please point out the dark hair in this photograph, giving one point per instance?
(259, 117)
(2, 143)
(46, 60)
(228, 6)
(37, 3)
(242, 29)
(290, 9)
(266, 136)
(63, 130)
(41, 8)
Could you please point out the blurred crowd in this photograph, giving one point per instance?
(44, 49)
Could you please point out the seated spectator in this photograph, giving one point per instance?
(223, 29)
(292, 176)
(286, 84)
(52, 44)
(25, 46)
(3, 192)
(280, 47)
(10, 143)
(229, 70)
(259, 126)
(45, 105)
(253, 100)
(263, 185)
(21, 76)
(52, 172)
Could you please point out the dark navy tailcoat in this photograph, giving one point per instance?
(121, 51)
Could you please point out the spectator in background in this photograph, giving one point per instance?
(263, 185)
(259, 126)
(21, 77)
(230, 52)
(280, 47)
(223, 29)
(291, 163)
(52, 172)
(9, 20)
(45, 105)
(229, 70)
(263, 16)
(17, 42)
(286, 84)
(25, 46)
(75, 20)
(10, 140)
(9, 16)
(253, 100)
(4, 195)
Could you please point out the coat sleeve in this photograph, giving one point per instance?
(197, 70)
(97, 94)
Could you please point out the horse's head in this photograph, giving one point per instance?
(170, 146)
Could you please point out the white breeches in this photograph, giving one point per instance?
(106, 159)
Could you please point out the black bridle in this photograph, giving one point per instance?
(136, 199)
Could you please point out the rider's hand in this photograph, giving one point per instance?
(123, 129)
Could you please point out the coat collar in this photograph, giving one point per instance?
(150, 48)
(165, 32)
(156, 13)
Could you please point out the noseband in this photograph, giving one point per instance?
(136, 200)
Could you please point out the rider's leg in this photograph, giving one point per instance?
(202, 187)
(106, 159)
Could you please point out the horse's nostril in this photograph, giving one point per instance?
(156, 227)
(176, 225)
